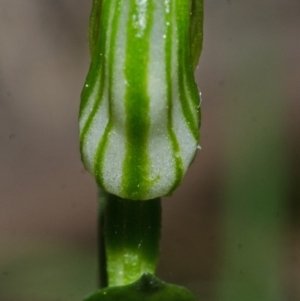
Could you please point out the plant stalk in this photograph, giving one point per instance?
(129, 237)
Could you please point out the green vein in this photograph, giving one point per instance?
(98, 65)
(174, 142)
(184, 63)
(102, 146)
(135, 181)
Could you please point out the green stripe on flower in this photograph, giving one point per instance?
(139, 114)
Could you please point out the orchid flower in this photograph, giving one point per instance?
(139, 130)
(140, 107)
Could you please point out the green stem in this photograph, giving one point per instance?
(102, 198)
(131, 232)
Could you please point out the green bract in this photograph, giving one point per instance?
(140, 107)
(147, 288)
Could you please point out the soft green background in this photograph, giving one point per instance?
(230, 232)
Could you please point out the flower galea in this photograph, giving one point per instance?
(140, 106)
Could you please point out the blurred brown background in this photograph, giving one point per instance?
(230, 232)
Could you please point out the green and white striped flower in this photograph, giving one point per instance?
(140, 107)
